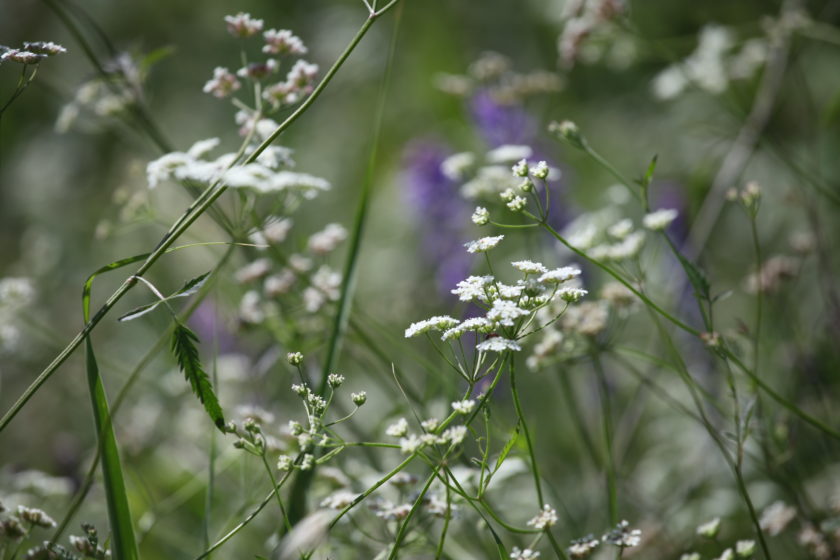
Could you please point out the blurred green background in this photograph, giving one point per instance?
(73, 201)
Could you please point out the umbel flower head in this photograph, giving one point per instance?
(508, 307)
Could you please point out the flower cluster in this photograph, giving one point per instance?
(268, 282)
(500, 173)
(299, 81)
(622, 536)
(509, 307)
(15, 294)
(492, 74)
(717, 60)
(30, 52)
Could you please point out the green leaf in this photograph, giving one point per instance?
(189, 288)
(646, 180)
(139, 311)
(152, 58)
(119, 514)
(186, 352)
(696, 276)
(507, 448)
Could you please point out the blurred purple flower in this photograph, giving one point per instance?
(501, 123)
(210, 327)
(671, 195)
(443, 214)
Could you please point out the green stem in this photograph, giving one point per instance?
(606, 422)
(518, 405)
(211, 194)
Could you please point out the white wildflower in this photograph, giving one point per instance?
(339, 500)
(520, 169)
(251, 308)
(430, 424)
(517, 204)
(395, 513)
(243, 25)
(621, 229)
(250, 175)
(588, 318)
(280, 283)
(313, 299)
(326, 240)
(484, 244)
(583, 547)
(498, 344)
(35, 516)
(309, 185)
(299, 263)
(477, 324)
(540, 171)
(283, 41)
(398, 429)
(660, 219)
(44, 47)
(505, 312)
(670, 82)
(571, 294)
(277, 231)
(745, 549)
(327, 281)
(583, 237)
(527, 554)
(463, 407)
(776, 517)
(437, 323)
(481, 216)
(307, 462)
(438, 507)
(709, 529)
(622, 536)
(222, 84)
(545, 519)
(455, 435)
(276, 157)
(559, 275)
(529, 267)
(456, 166)
(508, 153)
(726, 555)
(202, 147)
(431, 439)
(16, 292)
(489, 180)
(410, 444)
(253, 271)
(474, 287)
(164, 167)
(506, 291)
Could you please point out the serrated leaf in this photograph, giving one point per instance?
(185, 349)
